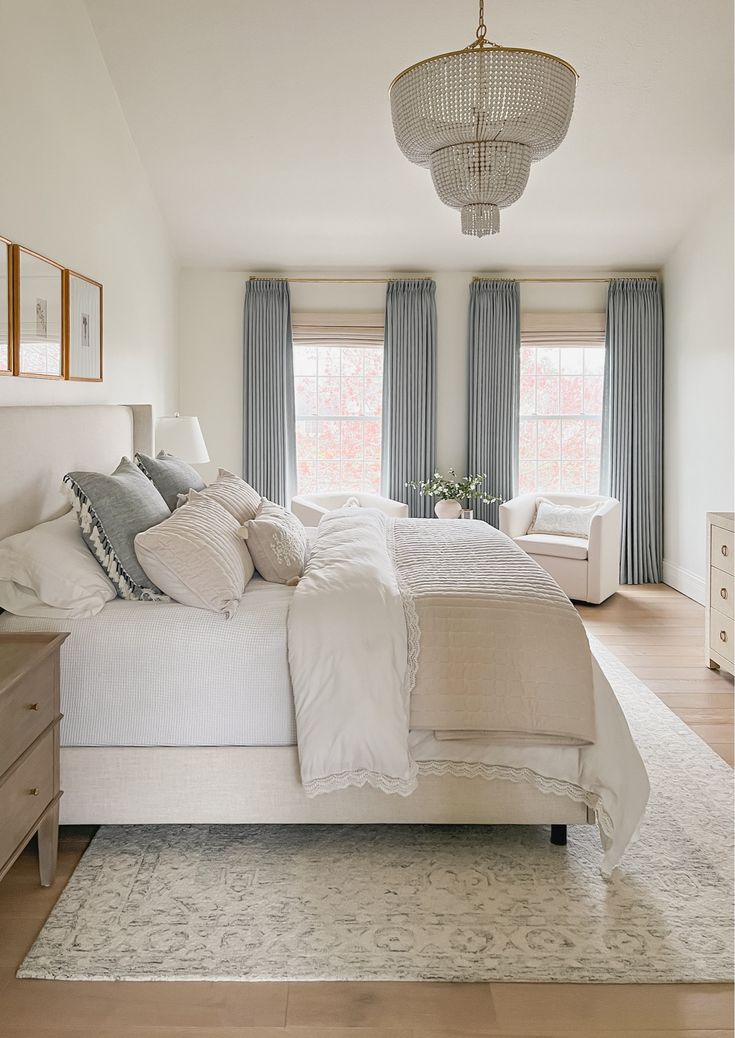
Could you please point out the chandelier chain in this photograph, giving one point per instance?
(481, 28)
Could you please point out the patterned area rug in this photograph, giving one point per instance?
(416, 902)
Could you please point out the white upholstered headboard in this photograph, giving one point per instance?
(38, 445)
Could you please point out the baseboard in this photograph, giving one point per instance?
(690, 584)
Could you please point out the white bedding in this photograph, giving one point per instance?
(163, 674)
(352, 654)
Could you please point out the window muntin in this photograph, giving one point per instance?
(339, 397)
(560, 419)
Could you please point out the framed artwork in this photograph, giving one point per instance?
(6, 307)
(82, 328)
(37, 315)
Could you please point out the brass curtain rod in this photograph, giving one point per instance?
(477, 277)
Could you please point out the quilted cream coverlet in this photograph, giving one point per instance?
(501, 651)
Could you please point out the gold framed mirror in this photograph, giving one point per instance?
(37, 315)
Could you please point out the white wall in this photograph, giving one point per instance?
(698, 399)
(72, 187)
(211, 322)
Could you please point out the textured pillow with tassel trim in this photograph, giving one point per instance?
(112, 511)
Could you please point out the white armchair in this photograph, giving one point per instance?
(310, 508)
(587, 569)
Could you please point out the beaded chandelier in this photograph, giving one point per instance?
(477, 118)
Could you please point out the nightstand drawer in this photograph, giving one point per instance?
(721, 634)
(25, 792)
(721, 591)
(25, 711)
(721, 548)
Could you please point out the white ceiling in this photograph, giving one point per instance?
(265, 128)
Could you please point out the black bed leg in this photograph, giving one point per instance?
(559, 835)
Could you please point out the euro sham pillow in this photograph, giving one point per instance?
(277, 543)
(196, 556)
(233, 493)
(112, 511)
(48, 571)
(170, 475)
(562, 520)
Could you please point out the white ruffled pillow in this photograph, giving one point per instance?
(277, 543)
(196, 557)
(49, 571)
(562, 520)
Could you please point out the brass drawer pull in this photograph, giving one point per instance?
(33, 706)
(723, 636)
(723, 592)
(34, 792)
(724, 550)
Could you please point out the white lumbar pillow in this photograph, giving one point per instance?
(49, 571)
(562, 520)
(196, 556)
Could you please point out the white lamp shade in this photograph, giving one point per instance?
(182, 436)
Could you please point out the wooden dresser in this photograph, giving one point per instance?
(719, 625)
(29, 747)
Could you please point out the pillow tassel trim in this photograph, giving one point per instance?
(103, 550)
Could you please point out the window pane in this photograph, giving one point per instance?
(306, 433)
(305, 394)
(572, 361)
(571, 394)
(593, 394)
(328, 358)
(329, 402)
(547, 361)
(304, 360)
(549, 438)
(351, 396)
(528, 394)
(527, 446)
(528, 360)
(547, 394)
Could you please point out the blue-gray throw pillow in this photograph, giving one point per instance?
(170, 475)
(112, 511)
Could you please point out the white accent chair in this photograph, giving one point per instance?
(310, 508)
(587, 569)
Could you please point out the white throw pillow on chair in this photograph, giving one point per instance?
(562, 520)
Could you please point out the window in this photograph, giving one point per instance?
(338, 381)
(560, 418)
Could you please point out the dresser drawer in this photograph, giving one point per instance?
(721, 547)
(721, 634)
(25, 710)
(26, 791)
(721, 591)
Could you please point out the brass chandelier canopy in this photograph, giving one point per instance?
(478, 117)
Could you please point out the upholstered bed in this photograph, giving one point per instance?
(177, 715)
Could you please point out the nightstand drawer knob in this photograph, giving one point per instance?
(33, 706)
(34, 792)
(723, 592)
(723, 636)
(724, 551)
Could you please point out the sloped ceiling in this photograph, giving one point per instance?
(265, 128)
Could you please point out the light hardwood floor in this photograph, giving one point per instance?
(658, 634)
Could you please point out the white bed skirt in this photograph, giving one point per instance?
(246, 784)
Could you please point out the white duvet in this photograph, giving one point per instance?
(352, 659)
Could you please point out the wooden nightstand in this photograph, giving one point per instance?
(29, 748)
